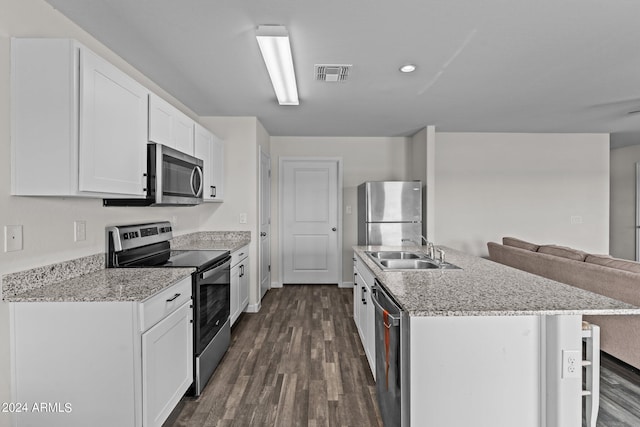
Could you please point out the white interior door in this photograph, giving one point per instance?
(265, 223)
(309, 204)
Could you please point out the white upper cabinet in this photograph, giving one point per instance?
(210, 149)
(113, 108)
(170, 126)
(78, 123)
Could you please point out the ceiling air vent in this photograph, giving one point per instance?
(332, 73)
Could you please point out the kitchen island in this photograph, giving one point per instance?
(484, 344)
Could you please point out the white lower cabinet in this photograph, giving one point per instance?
(364, 311)
(239, 282)
(104, 364)
(166, 368)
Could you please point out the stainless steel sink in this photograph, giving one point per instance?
(405, 260)
(408, 264)
(395, 255)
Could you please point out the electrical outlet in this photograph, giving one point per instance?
(571, 364)
(243, 218)
(12, 238)
(80, 231)
(576, 219)
(348, 209)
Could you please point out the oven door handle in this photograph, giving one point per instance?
(216, 269)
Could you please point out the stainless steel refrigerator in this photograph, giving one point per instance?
(389, 212)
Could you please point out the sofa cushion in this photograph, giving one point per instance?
(620, 264)
(563, 252)
(517, 243)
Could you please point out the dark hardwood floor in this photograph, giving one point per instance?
(619, 394)
(299, 362)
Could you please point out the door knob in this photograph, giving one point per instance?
(333, 229)
(263, 233)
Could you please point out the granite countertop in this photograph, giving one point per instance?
(485, 288)
(111, 284)
(86, 279)
(212, 240)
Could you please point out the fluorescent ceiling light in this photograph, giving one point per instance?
(276, 51)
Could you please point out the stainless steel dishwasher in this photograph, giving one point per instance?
(392, 357)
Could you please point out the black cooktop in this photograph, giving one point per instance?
(201, 259)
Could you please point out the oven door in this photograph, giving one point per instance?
(178, 176)
(212, 303)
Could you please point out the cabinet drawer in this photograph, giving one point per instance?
(161, 305)
(364, 271)
(239, 255)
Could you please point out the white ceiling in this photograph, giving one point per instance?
(483, 66)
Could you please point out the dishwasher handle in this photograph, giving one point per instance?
(394, 320)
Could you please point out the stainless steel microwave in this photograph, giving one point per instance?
(173, 178)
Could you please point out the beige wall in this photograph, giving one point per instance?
(363, 159)
(623, 201)
(242, 137)
(524, 185)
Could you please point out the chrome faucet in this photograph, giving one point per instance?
(429, 245)
(441, 253)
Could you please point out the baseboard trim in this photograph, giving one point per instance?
(253, 308)
(340, 285)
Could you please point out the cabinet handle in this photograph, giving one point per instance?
(173, 297)
(213, 191)
(363, 291)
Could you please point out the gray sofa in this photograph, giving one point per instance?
(602, 274)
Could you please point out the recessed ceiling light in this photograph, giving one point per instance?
(408, 68)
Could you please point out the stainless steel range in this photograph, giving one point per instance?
(147, 245)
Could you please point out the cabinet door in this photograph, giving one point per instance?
(356, 292)
(203, 149)
(183, 128)
(244, 285)
(360, 302)
(370, 332)
(210, 149)
(167, 365)
(113, 122)
(218, 169)
(170, 126)
(160, 118)
(235, 293)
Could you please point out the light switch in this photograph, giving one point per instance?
(12, 238)
(348, 209)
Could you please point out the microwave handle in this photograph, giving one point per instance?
(197, 191)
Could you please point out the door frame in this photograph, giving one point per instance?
(637, 224)
(281, 163)
(262, 152)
